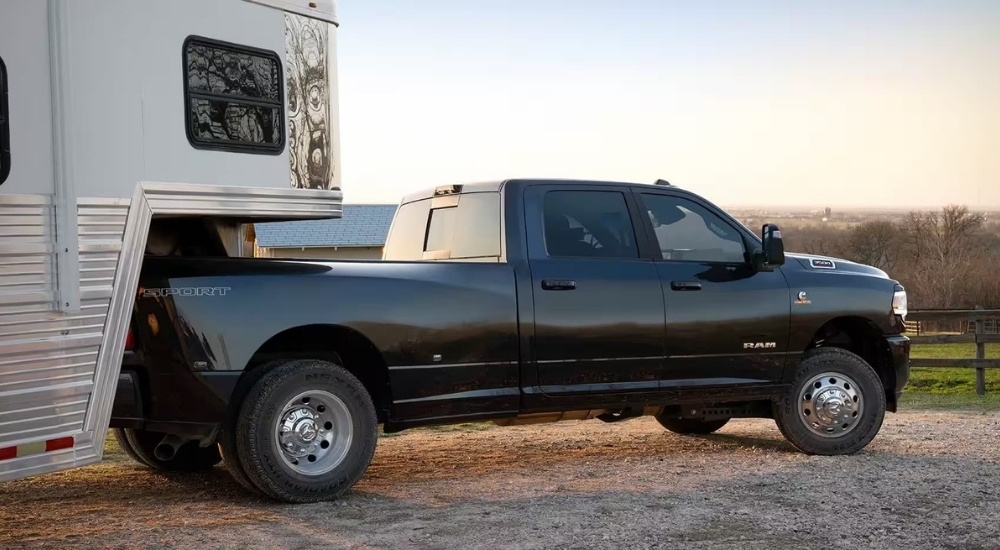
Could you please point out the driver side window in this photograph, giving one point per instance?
(686, 231)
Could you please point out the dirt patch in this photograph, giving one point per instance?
(930, 480)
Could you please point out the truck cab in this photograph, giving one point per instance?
(638, 288)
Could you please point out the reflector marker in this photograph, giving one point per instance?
(36, 448)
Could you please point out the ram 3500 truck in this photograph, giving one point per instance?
(519, 301)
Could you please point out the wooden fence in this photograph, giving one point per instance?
(979, 318)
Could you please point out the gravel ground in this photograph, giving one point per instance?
(930, 480)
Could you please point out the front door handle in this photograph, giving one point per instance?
(558, 284)
(685, 285)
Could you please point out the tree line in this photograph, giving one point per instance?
(945, 259)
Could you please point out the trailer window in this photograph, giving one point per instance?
(233, 97)
(4, 132)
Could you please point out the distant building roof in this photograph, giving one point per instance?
(360, 225)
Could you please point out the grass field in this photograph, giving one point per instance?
(958, 381)
(950, 402)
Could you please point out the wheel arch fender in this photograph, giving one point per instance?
(864, 337)
(340, 344)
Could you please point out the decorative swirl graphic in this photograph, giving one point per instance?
(309, 145)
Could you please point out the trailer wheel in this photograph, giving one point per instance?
(834, 406)
(306, 431)
(190, 457)
(690, 426)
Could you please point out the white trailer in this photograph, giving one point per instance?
(133, 127)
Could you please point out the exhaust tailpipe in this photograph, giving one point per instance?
(166, 449)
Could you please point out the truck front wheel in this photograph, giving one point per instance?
(306, 431)
(834, 406)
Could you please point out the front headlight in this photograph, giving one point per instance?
(899, 301)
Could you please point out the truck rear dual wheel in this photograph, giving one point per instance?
(306, 432)
(835, 405)
(190, 457)
(227, 439)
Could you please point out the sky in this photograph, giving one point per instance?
(749, 103)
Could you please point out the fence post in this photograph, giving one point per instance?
(980, 354)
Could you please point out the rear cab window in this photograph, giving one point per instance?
(452, 227)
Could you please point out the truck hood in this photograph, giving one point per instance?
(835, 265)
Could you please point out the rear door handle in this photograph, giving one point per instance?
(685, 285)
(558, 284)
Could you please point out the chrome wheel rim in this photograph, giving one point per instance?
(830, 404)
(314, 432)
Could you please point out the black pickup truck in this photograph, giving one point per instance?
(520, 301)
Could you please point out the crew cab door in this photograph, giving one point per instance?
(726, 323)
(598, 307)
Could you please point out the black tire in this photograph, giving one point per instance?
(862, 420)
(190, 457)
(227, 438)
(127, 447)
(259, 452)
(690, 426)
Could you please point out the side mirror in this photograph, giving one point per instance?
(773, 249)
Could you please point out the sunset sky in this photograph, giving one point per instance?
(848, 103)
